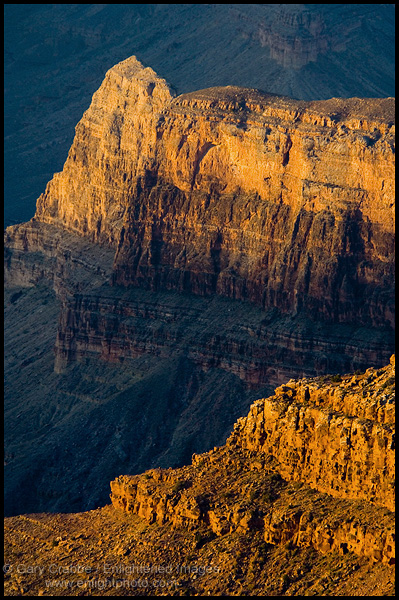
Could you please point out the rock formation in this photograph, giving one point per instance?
(299, 501)
(229, 191)
(337, 437)
(245, 237)
(56, 57)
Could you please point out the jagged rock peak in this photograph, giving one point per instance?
(114, 144)
(132, 70)
(130, 67)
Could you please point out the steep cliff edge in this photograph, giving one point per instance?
(233, 191)
(337, 437)
(298, 502)
(307, 51)
(114, 145)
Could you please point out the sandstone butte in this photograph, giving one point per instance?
(299, 501)
(233, 191)
(285, 204)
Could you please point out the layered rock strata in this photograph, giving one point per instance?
(337, 439)
(228, 523)
(301, 518)
(261, 349)
(35, 252)
(276, 214)
(117, 551)
(115, 323)
(153, 377)
(232, 191)
(340, 439)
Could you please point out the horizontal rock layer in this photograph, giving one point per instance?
(35, 252)
(260, 349)
(321, 524)
(235, 193)
(115, 323)
(232, 191)
(188, 365)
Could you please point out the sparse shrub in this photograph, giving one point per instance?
(266, 497)
(336, 378)
(179, 486)
(227, 495)
(285, 581)
(388, 382)
(263, 549)
(15, 297)
(202, 538)
(253, 495)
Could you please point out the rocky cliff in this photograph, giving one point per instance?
(232, 191)
(337, 437)
(298, 502)
(56, 57)
(142, 378)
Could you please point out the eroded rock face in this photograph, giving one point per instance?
(336, 438)
(114, 145)
(188, 365)
(231, 191)
(225, 192)
(340, 439)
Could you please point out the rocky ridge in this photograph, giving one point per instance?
(230, 238)
(241, 519)
(335, 437)
(339, 439)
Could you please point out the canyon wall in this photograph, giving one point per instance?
(261, 348)
(340, 439)
(120, 379)
(232, 191)
(222, 241)
(56, 57)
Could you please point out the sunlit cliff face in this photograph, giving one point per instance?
(337, 436)
(228, 190)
